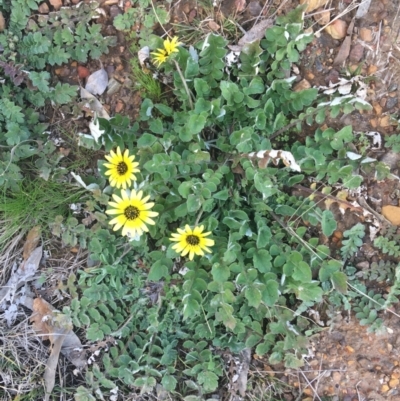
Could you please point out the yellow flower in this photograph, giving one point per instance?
(160, 56)
(121, 168)
(170, 46)
(133, 213)
(192, 241)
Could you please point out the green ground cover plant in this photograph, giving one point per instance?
(213, 168)
(29, 45)
(170, 314)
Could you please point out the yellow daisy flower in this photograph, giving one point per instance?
(133, 213)
(160, 56)
(192, 241)
(121, 168)
(170, 46)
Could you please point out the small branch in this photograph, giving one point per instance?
(292, 124)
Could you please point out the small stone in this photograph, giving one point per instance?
(385, 388)
(366, 35)
(307, 391)
(349, 349)
(254, 8)
(392, 213)
(119, 106)
(394, 383)
(57, 4)
(115, 11)
(384, 121)
(336, 377)
(391, 102)
(392, 88)
(333, 76)
(337, 29)
(356, 53)
(300, 86)
(43, 8)
(363, 265)
(74, 64)
(83, 72)
(310, 75)
(110, 70)
(213, 26)
(372, 69)
(113, 86)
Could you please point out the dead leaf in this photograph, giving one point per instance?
(143, 55)
(54, 327)
(343, 52)
(323, 17)
(31, 241)
(93, 104)
(49, 322)
(97, 82)
(21, 276)
(257, 32)
(313, 4)
(392, 213)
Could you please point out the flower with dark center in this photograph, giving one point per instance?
(121, 168)
(132, 213)
(192, 241)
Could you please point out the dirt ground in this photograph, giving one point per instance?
(345, 362)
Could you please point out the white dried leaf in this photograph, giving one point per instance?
(143, 55)
(95, 130)
(94, 104)
(97, 82)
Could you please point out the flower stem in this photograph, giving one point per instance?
(184, 83)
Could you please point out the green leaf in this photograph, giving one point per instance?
(156, 126)
(208, 380)
(169, 382)
(339, 281)
(220, 272)
(146, 140)
(264, 236)
(291, 361)
(302, 272)
(310, 292)
(270, 293)
(253, 296)
(40, 80)
(158, 270)
(196, 123)
(328, 269)
(262, 260)
(222, 195)
(252, 340)
(328, 223)
(193, 203)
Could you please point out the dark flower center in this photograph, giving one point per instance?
(122, 168)
(193, 240)
(132, 212)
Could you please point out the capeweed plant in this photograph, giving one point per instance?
(206, 158)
